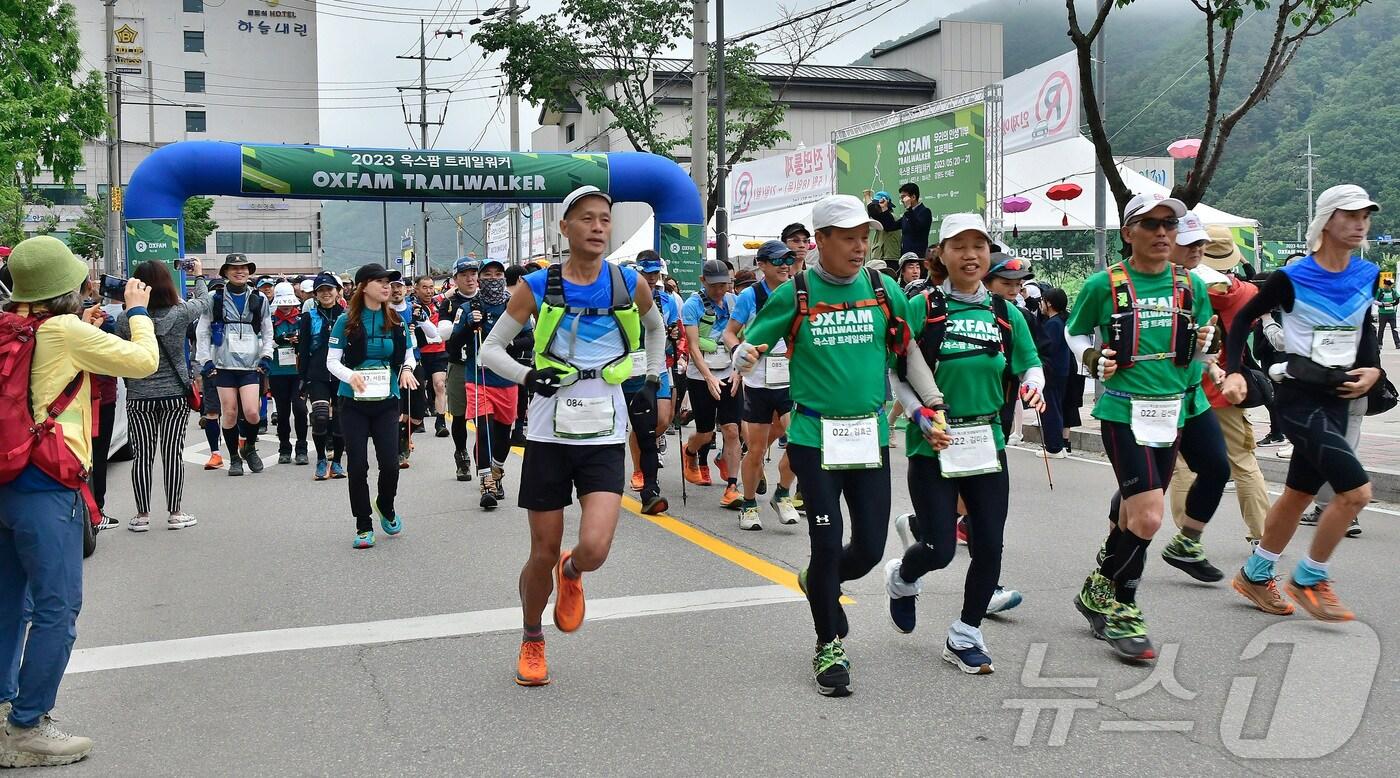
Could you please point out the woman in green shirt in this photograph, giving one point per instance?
(954, 383)
(370, 354)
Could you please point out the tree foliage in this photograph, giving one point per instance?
(198, 224)
(1292, 23)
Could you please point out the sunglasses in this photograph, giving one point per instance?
(1152, 225)
(1010, 264)
(781, 261)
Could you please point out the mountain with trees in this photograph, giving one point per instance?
(1337, 90)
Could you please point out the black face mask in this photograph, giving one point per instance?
(493, 291)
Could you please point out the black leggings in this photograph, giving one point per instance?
(1387, 319)
(497, 434)
(1202, 446)
(643, 421)
(361, 420)
(286, 392)
(325, 419)
(935, 501)
(867, 494)
(1317, 428)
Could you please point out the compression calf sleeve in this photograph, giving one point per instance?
(1129, 561)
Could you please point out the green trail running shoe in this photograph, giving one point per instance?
(1189, 556)
(832, 669)
(1126, 631)
(1095, 602)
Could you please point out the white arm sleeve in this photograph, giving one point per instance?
(493, 350)
(921, 379)
(430, 331)
(335, 366)
(1079, 344)
(1273, 332)
(1034, 378)
(655, 341)
(201, 341)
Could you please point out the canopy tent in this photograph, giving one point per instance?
(1028, 173)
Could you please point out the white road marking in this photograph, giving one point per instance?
(116, 657)
(1100, 463)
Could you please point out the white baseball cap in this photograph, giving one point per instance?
(309, 285)
(1342, 197)
(1146, 202)
(843, 211)
(579, 194)
(284, 294)
(957, 223)
(1191, 230)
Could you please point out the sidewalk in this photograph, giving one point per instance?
(1379, 451)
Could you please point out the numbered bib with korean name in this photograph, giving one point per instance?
(580, 418)
(1335, 346)
(287, 356)
(776, 372)
(1155, 421)
(376, 383)
(972, 452)
(639, 364)
(850, 444)
(241, 343)
(718, 359)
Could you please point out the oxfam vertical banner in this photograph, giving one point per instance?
(945, 155)
(682, 248)
(153, 239)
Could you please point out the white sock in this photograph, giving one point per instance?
(1266, 554)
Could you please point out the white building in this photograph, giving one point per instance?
(950, 59)
(238, 70)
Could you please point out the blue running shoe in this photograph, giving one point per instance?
(973, 661)
(903, 598)
(364, 539)
(337, 471)
(323, 470)
(392, 525)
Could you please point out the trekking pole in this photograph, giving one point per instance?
(680, 437)
(1044, 452)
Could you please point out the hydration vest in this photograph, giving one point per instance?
(1125, 323)
(936, 331)
(706, 325)
(623, 311)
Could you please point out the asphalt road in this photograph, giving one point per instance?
(260, 643)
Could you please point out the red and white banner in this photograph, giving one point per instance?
(773, 183)
(1041, 104)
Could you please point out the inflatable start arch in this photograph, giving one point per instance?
(155, 198)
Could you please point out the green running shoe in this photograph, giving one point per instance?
(1126, 631)
(832, 670)
(1189, 556)
(1095, 602)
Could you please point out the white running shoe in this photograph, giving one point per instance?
(749, 519)
(786, 513)
(1014, 439)
(901, 527)
(1284, 452)
(180, 521)
(1061, 454)
(139, 524)
(1003, 600)
(1230, 485)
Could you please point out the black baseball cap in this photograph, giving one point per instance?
(793, 229)
(375, 271)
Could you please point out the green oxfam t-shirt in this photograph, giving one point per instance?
(839, 359)
(972, 386)
(1152, 378)
(1388, 299)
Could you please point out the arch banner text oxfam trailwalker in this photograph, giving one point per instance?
(155, 198)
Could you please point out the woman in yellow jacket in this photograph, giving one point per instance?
(41, 533)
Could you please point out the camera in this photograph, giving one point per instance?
(112, 287)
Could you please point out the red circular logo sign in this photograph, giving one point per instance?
(743, 192)
(1054, 103)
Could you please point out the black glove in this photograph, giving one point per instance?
(644, 400)
(543, 381)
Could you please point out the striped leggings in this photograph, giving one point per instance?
(149, 421)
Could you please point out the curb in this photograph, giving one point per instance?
(1385, 484)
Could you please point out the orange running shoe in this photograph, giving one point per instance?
(1319, 601)
(690, 467)
(568, 597)
(731, 500)
(216, 461)
(638, 481)
(532, 669)
(723, 467)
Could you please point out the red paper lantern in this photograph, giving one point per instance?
(1186, 148)
(1064, 191)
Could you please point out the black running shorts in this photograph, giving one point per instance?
(709, 412)
(761, 405)
(1317, 427)
(553, 472)
(1138, 468)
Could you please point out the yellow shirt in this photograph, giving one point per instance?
(66, 345)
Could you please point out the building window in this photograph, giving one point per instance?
(58, 194)
(569, 133)
(228, 242)
(194, 121)
(194, 80)
(194, 6)
(194, 40)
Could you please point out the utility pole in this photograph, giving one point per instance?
(513, 255)
(1100, 179)
(421, 263)
(114, 237)
(1308, 162)
(700, 103)
(721, 169)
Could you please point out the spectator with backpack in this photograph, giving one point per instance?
(47, 352)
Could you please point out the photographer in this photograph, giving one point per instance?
(157, 407)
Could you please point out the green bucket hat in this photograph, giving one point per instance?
(44, 268)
